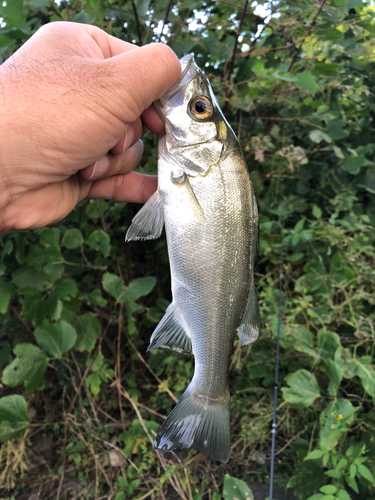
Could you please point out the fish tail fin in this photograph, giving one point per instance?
(198, 422)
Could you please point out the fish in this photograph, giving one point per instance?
(207, 203)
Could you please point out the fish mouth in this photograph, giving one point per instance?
(188, 72)
(187, 66)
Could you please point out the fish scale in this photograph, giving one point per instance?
(206, 201)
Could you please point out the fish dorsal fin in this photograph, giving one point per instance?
(170, 334)
(249, 329)
(149, 221)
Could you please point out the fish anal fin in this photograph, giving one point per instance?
(249, 329)
(200, 423)
(148, 222)
(170, 334)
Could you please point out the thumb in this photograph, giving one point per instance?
(137, 78)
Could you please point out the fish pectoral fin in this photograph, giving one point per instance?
(170, 334)
(149, 221)
(199, 423)
(249, 329)
(197, 210)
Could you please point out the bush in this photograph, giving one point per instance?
(81, 399)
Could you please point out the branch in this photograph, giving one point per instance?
(165, 18)
(231, 64)
(137, 23)
(261, 51)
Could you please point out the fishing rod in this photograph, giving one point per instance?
(273, 432)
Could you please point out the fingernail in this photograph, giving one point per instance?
(129, 136)
(101, 167)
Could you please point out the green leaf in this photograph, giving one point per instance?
(329, 489)
(140, 287)
(368, 25)
(96, 299)
(333, 473)
(6, 290)
(299, 226)
(88, 331)
(363, 369)
(295, 257)
(72, 238)
(351, 4)
(317, 496)
(344, 359)
(352, 483)
(334, 421)
(81, 17)
(93, 381)
(236, 489)
(100, 241)
(335, 376)
(114, 286)
(303, 390)
(8, 247)
(27, 277)
(352, 470)
(92, 210)
(120, 495)
(343, 495)
(13, 417)
(287, 77)
(317, 213)
(305, 342)
(335, 130)
(366, 473)
(318, 136)
(330, 35)
(306, 81)
(27, 368)
(98, 363)
(56, 338)
(354, 163)
(328, 343)
(13, 13)
(65, 289)
(39, 3)
(314, 454)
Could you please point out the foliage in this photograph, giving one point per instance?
(77, 306)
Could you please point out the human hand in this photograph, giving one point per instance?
(72, 103)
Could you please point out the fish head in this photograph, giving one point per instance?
(196, 129)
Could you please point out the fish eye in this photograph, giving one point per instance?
(201, 107)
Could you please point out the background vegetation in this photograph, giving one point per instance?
(81, 399)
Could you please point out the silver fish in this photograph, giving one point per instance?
(207, 202)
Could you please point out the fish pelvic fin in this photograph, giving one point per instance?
(170, 334)
(249, 329)
(149, 221)
(200, 423)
